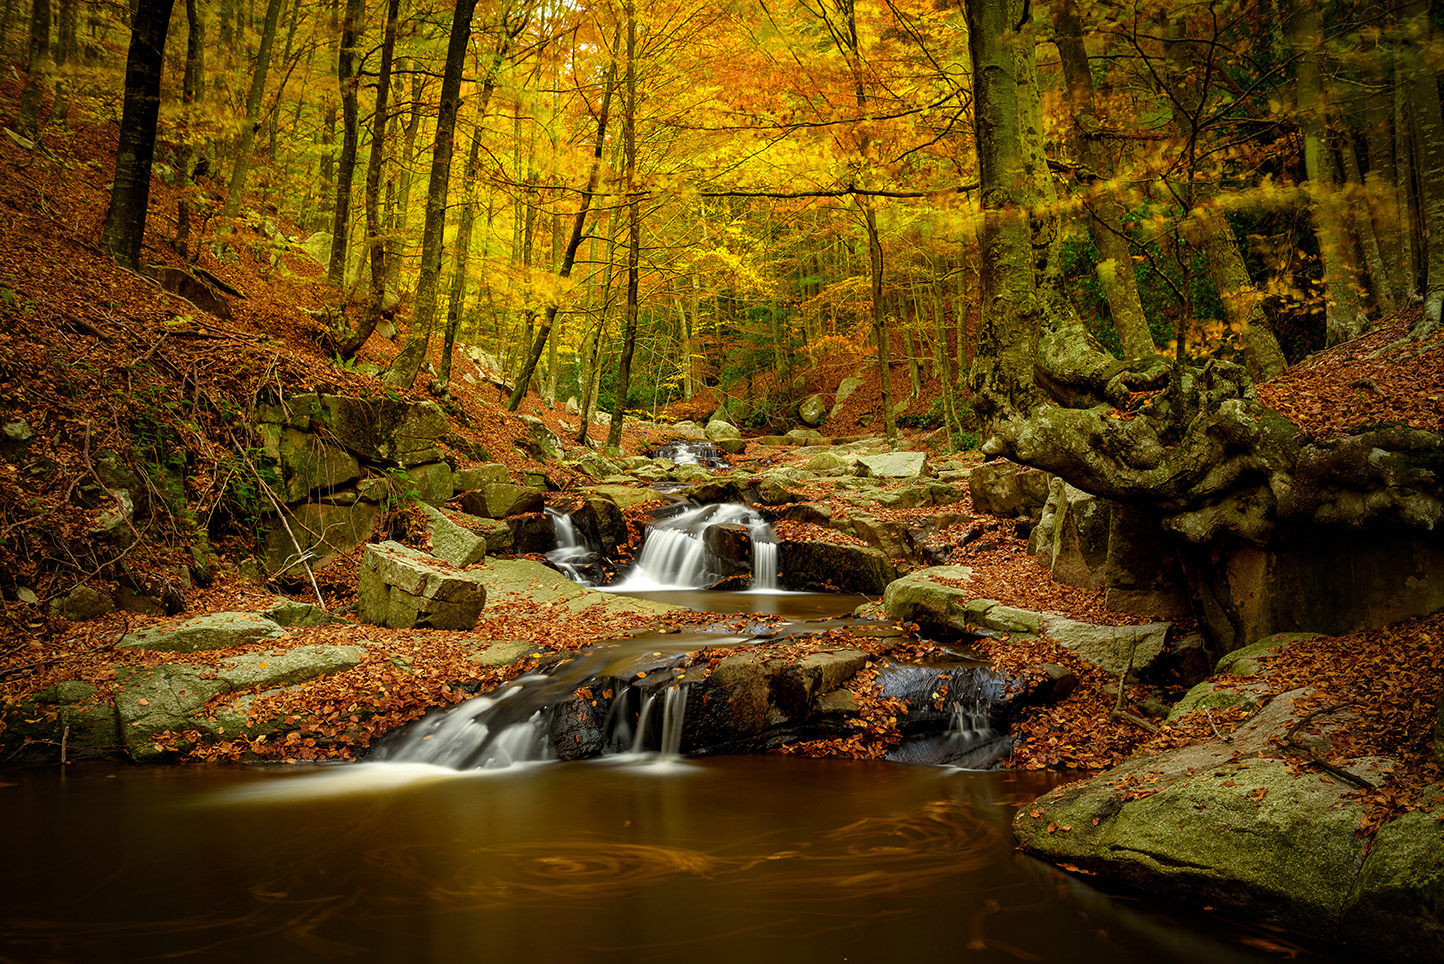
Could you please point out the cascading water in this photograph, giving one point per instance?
(684, 451)
(571, 552)
(634, 707)
(675, 554)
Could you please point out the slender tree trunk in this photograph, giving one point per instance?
(1427, 123)
(460, 257)
(1363, 222)
(634, 236)
(124, 229)
(346, 165)
(1344, 316)
(190, 92)
(64, 54)
(408, 363)
(38, 70)
(397, 229)
(569, 258)
(237, 188)
(1381, 179)
(375, 239)
(1105, 221)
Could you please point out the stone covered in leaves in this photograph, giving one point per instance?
(213, 631)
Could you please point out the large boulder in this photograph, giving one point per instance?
(306, 463)
(401, 588)
(497, 500)
(1240, 826)
(625, 496)
(476, 476)
(385, 431)
(717, 430)
(1071, 538)
(894, 465)
(325, 532)
(601, 524)
(824, 565)
(844, 392)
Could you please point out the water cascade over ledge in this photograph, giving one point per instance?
(681, 549)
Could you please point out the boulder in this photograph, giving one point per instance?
(891, 537)
(497, 500)
(82, 603)
(1002, 488)
(476, 476)
(160, 699)
(753, 701)
(542, 436)
(403, 588)
(845, 568)
(381, 430)
(214, 631)
(531, 533)
(69, 713)
(772, 492)
(1236, 825)
(429, 483)
(813, 410)
(1142, 569)
(689, 429)
(296, 615)
(625, 496)
(305, 462)
(453, 544)
(1112, 647)
(1071, 538)
(894, 465)
(601, 525)
(731, 446)
(718, 430)
(844, 392)
(921, 598)
(730, 545)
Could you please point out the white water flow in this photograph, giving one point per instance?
(675, 554)
(674, 711)
(570, 550)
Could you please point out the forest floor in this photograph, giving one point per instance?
(96, 358)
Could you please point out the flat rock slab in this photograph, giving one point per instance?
(273, 668)
(403, 588)
(525, 580)
(895, 465)
(215, 631)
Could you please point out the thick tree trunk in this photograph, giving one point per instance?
(1002, 370)
(1380, 180)
(346, 165)
(124, 228)
(1363, 222)
(408, 363)
(242, 169)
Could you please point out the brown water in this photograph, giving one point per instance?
(744, 860)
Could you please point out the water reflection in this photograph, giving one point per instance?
(769, 859)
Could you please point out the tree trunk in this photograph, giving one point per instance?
(190, 91)
(1428, 126)
(457, 299)
(634, 237)
(1380, 180)
(397, 228)
(413, 353)
(1115, 256)
(1363, 222)
(1008, 330)
(1344, 316)
(237, 188)
(375, 240)
(38, 70)
(346, 165)
(570, 256)
(124, 228)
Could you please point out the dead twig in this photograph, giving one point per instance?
(281, 514)
(1313, 756)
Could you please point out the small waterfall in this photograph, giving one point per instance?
(572, 554)
(685, 451)
(675, 554)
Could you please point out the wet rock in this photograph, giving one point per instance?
(214, 631)
(401, 588)
(601, 524)
(453, 544)
(821, 565)
(67, 716)
(533, 533)
(731, 547)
